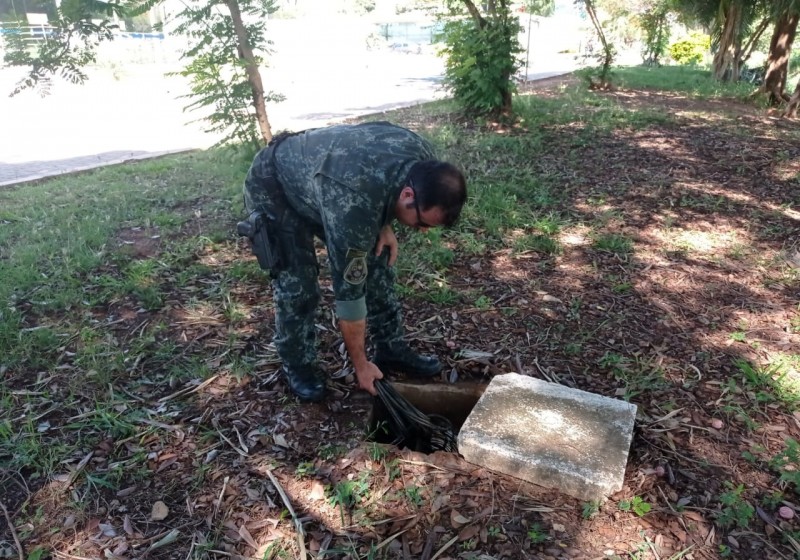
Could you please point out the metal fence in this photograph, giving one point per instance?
(32, 33)
(127, 46)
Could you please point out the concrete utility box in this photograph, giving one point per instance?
(550, 435)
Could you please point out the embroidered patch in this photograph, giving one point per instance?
(356, 270)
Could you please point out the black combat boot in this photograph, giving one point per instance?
(399, 357)
(306, 382)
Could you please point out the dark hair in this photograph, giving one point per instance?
(440, 184)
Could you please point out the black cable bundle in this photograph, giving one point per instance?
(412, 428)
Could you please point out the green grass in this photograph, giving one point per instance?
(613, 243)
(60, 231)
(67, 275)
(61, 261)
(694, 81)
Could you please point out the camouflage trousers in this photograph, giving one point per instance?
(295, 285)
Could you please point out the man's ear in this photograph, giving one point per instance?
(407, 193)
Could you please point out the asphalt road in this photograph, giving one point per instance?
(134, 111)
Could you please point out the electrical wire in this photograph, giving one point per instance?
(411, 427)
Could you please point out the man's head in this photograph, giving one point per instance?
(434, 193)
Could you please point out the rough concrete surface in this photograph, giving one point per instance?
(550, 435)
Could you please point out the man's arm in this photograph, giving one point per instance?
(354, 334)
(387, 238)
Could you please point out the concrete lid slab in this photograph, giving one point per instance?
(551, 435)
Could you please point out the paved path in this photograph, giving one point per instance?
(134, 113)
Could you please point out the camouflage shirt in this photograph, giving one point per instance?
(348, 178)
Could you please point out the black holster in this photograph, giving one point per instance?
(259, 229)
(263, 224)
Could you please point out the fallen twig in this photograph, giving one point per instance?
(228, 441)
(652, 547)
(300, 532)
(187, 390)
(169, 538)
(389, 539)
(74, 474)
(13, 531)
(221, 496)
(447, 545)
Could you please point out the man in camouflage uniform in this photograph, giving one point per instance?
(345, 184)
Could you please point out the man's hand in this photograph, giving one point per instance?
(386, 238)
(367, 374)
(354, 333)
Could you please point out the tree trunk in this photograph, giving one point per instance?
(794, 101)
(727, 56)
(251, 68)
(780, 49)
(475, 13)
(747, 50)
(608, 55)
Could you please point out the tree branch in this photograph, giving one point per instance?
(20, 550)
(751, 43)
(475, 13)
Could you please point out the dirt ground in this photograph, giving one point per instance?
(710, 201)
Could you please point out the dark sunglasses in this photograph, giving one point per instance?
(420, 223)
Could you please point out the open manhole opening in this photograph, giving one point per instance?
(447, 406)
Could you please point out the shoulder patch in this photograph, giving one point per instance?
(355, 271)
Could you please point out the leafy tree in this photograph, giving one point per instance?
(78, 27)
(543, 8)
(607, 56)
(482, 53)
(222, 67)
(222, 63)
(786, 14)
(690, 50)
(734, 26)
(655, 24)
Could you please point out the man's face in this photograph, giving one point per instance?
(409, 213)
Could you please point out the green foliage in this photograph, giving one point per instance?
(544, 8)
(70, 46)
(638, 376)
(348, 493)
(690, 50)
(637, 505)
(413, 495)
(377, 452)
(306, 468)
(691, 80)
(613, 243)
(787, 463)
(36, 554)
(537, 534)
(331, 451)
(656, 27)
(735, 510)
(482, 58)
(218, 81)
(538, 243)
(768, 384)
(441, 294)
(433, 250)
(590, 509)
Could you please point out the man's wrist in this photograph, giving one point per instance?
(360, 364)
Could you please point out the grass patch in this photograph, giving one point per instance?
(63, 258)
(691, 80)
(133, 333)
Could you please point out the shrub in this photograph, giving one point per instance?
(690, 50)
(481, 62)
